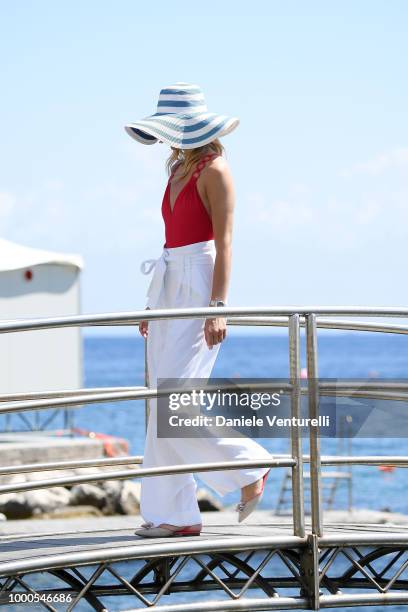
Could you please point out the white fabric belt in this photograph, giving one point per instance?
(175, 255)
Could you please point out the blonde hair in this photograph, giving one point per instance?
(189, 157)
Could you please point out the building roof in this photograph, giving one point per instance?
(15, 256)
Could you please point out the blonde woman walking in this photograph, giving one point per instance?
(193, 271)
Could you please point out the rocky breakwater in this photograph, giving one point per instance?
(108, 497)
(100, 498)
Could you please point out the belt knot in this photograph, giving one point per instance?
(147, 265)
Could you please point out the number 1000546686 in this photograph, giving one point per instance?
(35, 598)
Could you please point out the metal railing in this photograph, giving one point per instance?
(294, 318)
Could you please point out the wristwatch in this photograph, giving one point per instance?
(217, 302)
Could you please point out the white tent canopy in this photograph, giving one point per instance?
(15, 256)
(38, 284)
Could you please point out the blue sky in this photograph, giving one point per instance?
(320, 158)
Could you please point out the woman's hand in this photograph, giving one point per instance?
(215, 331)
(144, 327)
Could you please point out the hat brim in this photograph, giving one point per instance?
(182, 131)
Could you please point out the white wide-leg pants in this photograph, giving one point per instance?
(177, 349)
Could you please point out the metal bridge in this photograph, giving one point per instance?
(260, 565)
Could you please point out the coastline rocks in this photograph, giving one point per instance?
(97, 498)
(112, 490)
(129, 499)
(105, 497)
(31, 503)
(13, 506)
(208, 503)
(121, 496)
(72, 512)
(45, 500)
(87, 495)
(122, 499)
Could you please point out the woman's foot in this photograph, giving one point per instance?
(251, 490)
(196, 527)
(165, 530)
(251, 495)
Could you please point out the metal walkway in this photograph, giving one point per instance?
(255, 566)
(101, 565)
(158, 567)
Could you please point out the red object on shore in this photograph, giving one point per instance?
(112, 445)
(386, 468)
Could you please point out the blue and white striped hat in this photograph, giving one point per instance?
(182, 120)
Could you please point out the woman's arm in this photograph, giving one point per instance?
(220, 196)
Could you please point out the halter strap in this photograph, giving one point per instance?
(199, 167)
(202, 163)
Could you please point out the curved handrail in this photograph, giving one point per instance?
(340, 324)
(134, 317)
(370, 390)
(147, 472)
(367, 460)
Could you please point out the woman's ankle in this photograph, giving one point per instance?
(251, 490)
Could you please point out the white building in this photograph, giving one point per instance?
(36, 284)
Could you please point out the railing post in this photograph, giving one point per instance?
(313, 394)
(146, 382)
(349, 420)
(295, 432)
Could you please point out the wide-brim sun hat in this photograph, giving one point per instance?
(181, 120)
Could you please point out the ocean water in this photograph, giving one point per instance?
(111, 361)
(119, 361)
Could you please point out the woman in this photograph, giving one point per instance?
(193, 271)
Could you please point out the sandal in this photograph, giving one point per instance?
(148, 530)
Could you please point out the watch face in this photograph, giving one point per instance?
(217, 303)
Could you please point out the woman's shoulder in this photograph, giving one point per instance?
(218, 162)
(217, 168)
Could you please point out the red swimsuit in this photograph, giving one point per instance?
(189, 221)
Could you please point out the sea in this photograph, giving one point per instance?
(111, 361)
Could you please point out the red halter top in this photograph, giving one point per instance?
(189, 220)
